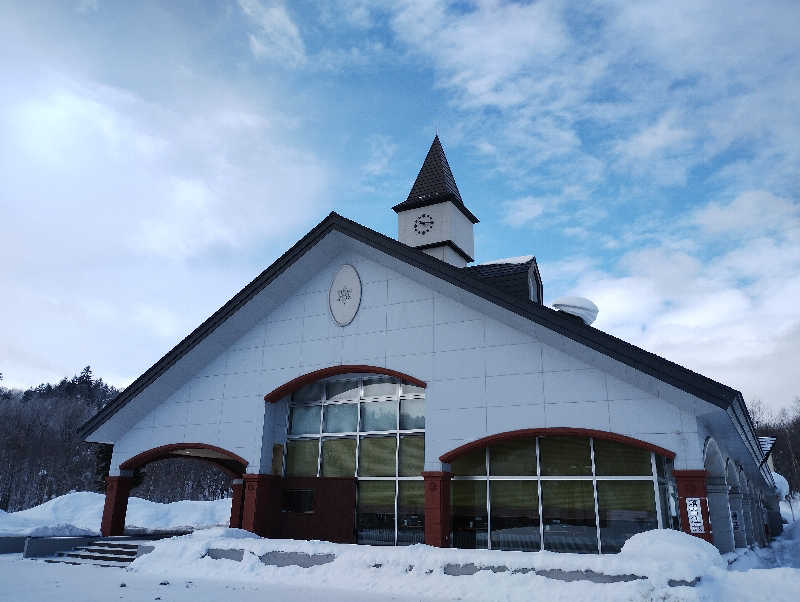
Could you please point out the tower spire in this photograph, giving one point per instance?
(435, 184)
(433, 218)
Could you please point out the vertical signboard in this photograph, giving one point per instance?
(695, 512)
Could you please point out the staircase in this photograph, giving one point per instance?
(103, 552)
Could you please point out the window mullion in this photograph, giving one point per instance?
(655, 490)
(488, 504)
(539, 490)
(594, 489)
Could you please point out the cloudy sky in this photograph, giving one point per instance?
(156, 156)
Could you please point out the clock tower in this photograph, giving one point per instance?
(433, 218)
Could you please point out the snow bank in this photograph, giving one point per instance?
(781, 484)
(669, 552)
(658, 556)
(790, 508)
(80, 513)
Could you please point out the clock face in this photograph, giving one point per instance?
(423, 224)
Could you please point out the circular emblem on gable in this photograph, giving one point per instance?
(344, 297)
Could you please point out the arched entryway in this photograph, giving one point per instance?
(717, 492)
(736, 504)
(118, 487)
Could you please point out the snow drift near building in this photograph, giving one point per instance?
(80, 513)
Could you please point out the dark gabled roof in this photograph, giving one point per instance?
(435, 184)
(566, 325)
(508, 277)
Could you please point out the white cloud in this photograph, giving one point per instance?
(730, 315)
(120, 206)
(754, 211)
(277, 37)
(522, 211)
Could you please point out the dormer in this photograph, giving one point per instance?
(433, 218)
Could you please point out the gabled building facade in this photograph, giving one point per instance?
(380, 391)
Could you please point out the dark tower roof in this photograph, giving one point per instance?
(435, 184)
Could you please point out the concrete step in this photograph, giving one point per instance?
(128, 551)
(92, 556)
(114, 544)
(76, 561)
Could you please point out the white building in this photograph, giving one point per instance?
(374, 390)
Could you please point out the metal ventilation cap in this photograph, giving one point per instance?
(577, 306)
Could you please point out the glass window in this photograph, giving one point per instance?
(617, 459)
(565, 456)
(376, 456)
(515, 515)
(340, 418)
(297, 500)
(513, 458)
(378, 416)
(626, 508)
(380, 387)
(660, 468)
(409, 389)
(301, 458)
(411, 456)
(472, 463)
(312, 392)
(342, 389)
(375, 512)
(568, 516)
(411, 512)
(304, 420)
(339, 457)
(469, 516)
(412, 414)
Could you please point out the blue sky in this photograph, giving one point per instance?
(156, 156)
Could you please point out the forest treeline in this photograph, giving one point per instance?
(785, 426)
(42, 456)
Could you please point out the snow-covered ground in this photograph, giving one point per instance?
(407, 573)
(80, 513)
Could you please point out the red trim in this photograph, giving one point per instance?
(692, 483)
(305, 379)
(437, 508)
(552, 432)
(116, 505)
(165, 451)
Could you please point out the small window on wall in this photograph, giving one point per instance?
(298, 500)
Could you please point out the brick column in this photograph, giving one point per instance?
(116, 506)
(692, 484)
(237, 503)
(437, 508)
(262, 504)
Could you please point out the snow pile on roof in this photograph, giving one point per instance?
(80, 513)
(781, 484)
(523, 259)
(582, 307)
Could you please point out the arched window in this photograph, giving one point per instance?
(372, 428)
(559, 493)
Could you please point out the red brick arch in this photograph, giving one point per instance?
(231, 463)
(296, 383)
(118, 487)
(552, 432)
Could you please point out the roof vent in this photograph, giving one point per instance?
(577, 306)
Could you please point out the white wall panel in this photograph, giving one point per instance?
(483, 376)
(579, 414)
